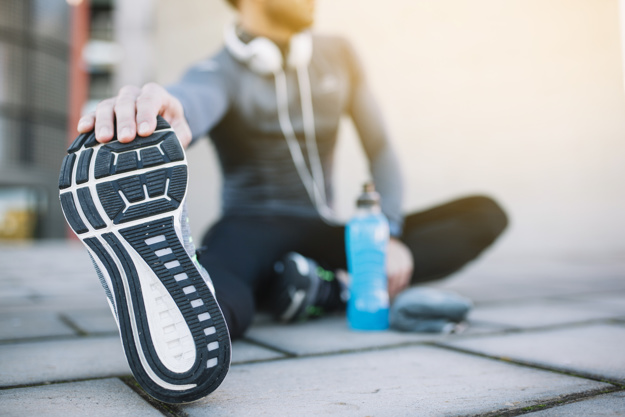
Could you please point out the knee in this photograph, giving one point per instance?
(488, 214)
(234, 297)
(238, 311)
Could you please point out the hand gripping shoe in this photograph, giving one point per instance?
(125, 201)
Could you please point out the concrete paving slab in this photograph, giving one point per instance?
(492, 280)
(98, 320)
(608, 405)
(100, 398)
(416, 380)
(505, 291)
(54, 277)
(14, 295)
(331, 334)
(613, 301)
(547, 270)
(243, 351)
(30, 363)
(57, 304)
(328, 334)
(32, 324)
(539, 313)
(38, 362)
(593, 350)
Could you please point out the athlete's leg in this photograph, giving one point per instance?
(445, 238)
(305, 284)
(442, 239)
(239, 253)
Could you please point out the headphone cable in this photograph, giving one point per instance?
(313, 180)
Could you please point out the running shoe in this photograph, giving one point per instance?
(303, 289)
(126, 203)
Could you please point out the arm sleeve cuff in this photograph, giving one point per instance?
(395, 227)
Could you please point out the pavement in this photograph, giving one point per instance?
(546, 338)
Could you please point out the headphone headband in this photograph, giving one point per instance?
(263, 56)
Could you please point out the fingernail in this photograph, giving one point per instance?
(104, 132)
(125, 133)
(143, 128)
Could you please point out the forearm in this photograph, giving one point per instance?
(389, 183)
(202, 109)
(383, 161)
(204, 94)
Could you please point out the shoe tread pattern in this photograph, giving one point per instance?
(168, 183)
(153, 192)
(161, 123)
(71, 213)
(67, 166)
(116, 157)
(88, 207)
(82, 173)
(145, 196)
(206, 378)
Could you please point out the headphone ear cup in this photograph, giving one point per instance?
(265, 57)
(260, 55)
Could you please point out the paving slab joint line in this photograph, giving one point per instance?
(288, 355)
(67, 321)
(270, 347)
(168, 410)
(519, 330)
(546, 404)
(291, 355)
(618, 384)
(63, 381)
(55, 338)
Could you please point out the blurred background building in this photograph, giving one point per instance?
(56, 60)
(519, 99)
(34, 74)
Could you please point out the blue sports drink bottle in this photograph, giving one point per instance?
(366, 239)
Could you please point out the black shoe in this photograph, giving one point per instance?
(125, 201)
(303, 290)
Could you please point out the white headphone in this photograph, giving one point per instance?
(264, 57)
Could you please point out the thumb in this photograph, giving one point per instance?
(174, 114)
(182, 130)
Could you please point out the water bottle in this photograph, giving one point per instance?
(366, 239)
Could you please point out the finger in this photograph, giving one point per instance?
(403, 281)
(183, 131)
(391, 275)
(392, 285)
(407, 281)
(125, 110)
(104, 120)
(86, 123)
(150, 103)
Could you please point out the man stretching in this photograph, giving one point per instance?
(271, 101)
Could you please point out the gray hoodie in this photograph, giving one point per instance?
(238, 109)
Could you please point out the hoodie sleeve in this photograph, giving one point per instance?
(204, 94)
(383, 162)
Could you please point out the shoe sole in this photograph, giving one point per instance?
(124, 202)
(302, 298)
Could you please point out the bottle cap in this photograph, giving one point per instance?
(369, 197)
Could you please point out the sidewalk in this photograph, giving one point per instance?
(546, 339)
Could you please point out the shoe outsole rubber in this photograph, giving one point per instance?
(298, 285)
(124, 202)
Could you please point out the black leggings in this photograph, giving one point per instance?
(239, 252)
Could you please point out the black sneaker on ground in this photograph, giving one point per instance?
(126, 204)
(303, 290)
